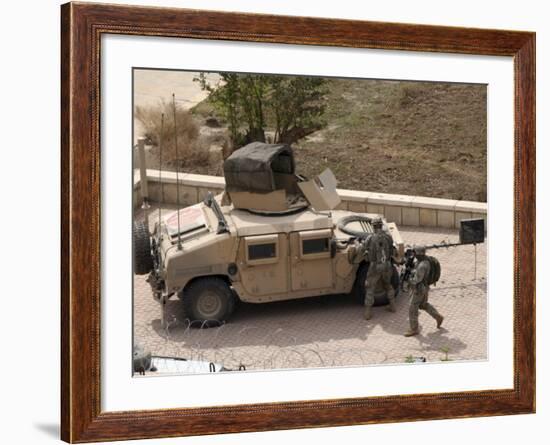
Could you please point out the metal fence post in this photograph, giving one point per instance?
(143, 174)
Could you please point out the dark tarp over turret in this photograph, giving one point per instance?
(254, 167)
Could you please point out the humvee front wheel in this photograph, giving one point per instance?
(209, 301)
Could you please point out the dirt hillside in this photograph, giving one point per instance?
(415, 138)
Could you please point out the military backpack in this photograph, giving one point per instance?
(435, 270)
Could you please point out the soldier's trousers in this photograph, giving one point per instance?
(419, 300)
(376, 273)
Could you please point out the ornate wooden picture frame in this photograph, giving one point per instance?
(82, 26)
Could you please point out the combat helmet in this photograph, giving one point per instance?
(377, 222)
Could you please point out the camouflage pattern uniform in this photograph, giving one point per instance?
(379, 247)
(419, 293)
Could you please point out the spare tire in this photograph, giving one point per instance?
(143, 260)
(351, 219)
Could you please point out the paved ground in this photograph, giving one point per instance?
(331, 331)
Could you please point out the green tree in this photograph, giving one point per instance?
(291, 106)
(297, 106)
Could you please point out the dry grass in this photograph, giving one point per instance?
(190, 149)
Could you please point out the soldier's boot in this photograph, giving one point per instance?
(412, 332)
(368, 313)
(433, 312)
(391, 305)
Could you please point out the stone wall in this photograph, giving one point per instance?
(401, 209)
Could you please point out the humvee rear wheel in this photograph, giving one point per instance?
(380, 298)
(209, 301)
(143, 260)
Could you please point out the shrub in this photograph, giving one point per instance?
(190, 150)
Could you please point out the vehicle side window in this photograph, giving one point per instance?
(262, 251)
(318, 245)
(315, 244)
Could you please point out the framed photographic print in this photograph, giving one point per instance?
(277, 222)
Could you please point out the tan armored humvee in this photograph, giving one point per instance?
(271, 236)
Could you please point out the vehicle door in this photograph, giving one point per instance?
(311, 265)
(264, 264)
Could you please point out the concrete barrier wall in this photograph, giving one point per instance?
(401, 209)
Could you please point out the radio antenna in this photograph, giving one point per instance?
(160, 168)
(177, 168)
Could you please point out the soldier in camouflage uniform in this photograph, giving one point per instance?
(379, 248)
(419, 293)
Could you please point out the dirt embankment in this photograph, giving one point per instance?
(414, 138)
